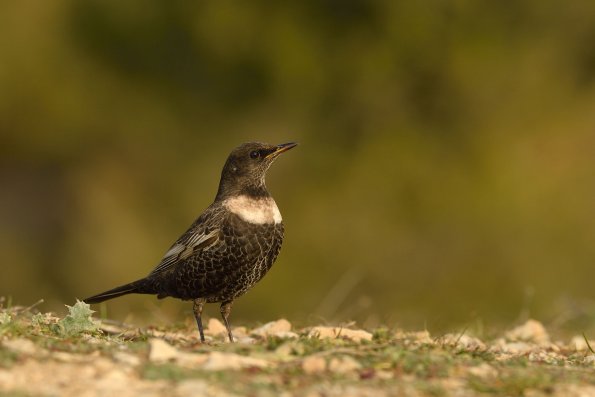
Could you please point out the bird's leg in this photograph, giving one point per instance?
(225, 310)
(197, 309)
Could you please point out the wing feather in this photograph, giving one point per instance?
(186, 246)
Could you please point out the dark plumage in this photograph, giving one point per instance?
(229, 248)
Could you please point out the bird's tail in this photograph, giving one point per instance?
(134, 287)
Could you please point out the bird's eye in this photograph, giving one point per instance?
(254, 154)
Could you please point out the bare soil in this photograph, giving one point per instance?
(43, 355)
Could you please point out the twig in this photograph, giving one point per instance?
(461, 335)
(28, 308)
(588, 344)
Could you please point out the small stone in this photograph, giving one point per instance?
(191, 360)
(287, 335)
(465, 341)
(199, 387)
(193, 386)
(113, 380)
(239, 332)
(451, 384)
(422, 337)
(531, 331)
(573, 390)
(578, 342)
(22, 346)
(284, 351)
(216, 327)
(517, 348)
(483, 370)
(111, 328)
(338, 332)
(161, 351)
(245, 340)
(555, 347)
(101, 365)
(418, 338)
(274, 328)
(114, 376)
(127, 359)
(177, 337)
(344, 364)
(217, 361)
(66, 357)
(544, 357)
(313, 364)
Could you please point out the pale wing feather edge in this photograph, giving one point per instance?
(178, 250)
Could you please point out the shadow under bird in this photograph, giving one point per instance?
(231, 245)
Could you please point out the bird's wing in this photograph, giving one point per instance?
(195, 239)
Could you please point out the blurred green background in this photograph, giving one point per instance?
(446, 167)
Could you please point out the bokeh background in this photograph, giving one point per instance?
(445, 173)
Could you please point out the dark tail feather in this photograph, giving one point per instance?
(131, 288)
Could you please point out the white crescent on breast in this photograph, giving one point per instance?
(254, 210)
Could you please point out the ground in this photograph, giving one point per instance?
(43, 355)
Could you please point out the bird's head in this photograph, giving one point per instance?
(246, 167)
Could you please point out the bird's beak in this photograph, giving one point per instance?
(280, 149)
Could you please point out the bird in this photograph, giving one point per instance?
(228, 248)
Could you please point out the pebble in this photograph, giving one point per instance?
(313, 364)
(356, 335)
(21, 346)
(419, 337)
(199, 387)
(127, 359)
(216, 328)
(274, 328)
(465, 341)
(515, 348)
(343, 365)
(531, 331)
(161, 351)
(483, 370)
(578, 342)
(572, 390)
(218, 361)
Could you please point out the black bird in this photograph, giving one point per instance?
(229, 248)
